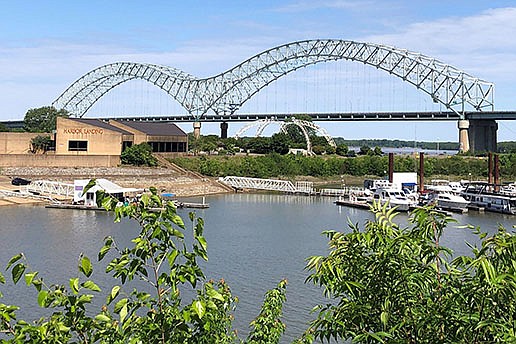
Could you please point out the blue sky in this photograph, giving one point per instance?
(46, 45)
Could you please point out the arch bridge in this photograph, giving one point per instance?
(225, 93)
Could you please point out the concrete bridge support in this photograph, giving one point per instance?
(197, 129)
(482, 135)
(224, 130)
(463, 135)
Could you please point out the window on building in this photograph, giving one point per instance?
(168, 147)
(77, 145)
(126, 144)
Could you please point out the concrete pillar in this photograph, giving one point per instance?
(463, 135)
(483, 135)
(197, 129)
(224, 130)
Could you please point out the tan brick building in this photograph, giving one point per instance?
(91, 142)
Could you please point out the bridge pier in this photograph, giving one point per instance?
(483, 135)
(463, 135)
(224, 130)
(478, 135)
(197, 129)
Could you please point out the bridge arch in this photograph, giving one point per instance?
(228, 91)
(302, 125)
(445, 84)
(80, 96)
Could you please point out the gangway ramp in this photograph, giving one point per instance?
(268, 184)
(50, 188)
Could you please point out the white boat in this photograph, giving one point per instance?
(394, 197)
(445, 197)
(490, 197)
(449, 201)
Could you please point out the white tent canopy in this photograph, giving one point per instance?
(89, 198)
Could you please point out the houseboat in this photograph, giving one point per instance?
(491, 197)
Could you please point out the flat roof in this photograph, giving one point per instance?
(155, 128)
(101, 124)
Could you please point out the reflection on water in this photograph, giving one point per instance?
(254, 241)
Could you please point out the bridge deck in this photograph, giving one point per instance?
(335, 116)
(323, 117)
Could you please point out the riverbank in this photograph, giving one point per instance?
(181, 183)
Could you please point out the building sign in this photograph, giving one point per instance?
(86, 131)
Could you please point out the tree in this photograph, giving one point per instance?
(342, 150)
(43, 119)
(40, 143)
(280, 143)
(139, 155)
(162, 258)
(3, 127)
(295, 133)
(365, 150)
(399, 285)
(377, 151)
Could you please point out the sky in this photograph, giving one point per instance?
(46, 45)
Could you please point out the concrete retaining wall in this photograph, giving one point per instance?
(51, 160)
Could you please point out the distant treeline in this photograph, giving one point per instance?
(397, 143)
(276, 165)
(507, 147)
(503, 147)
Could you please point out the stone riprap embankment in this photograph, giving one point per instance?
(183, 184)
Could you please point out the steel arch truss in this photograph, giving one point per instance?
(228, 91)
(88, 89)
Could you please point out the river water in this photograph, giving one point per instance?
(254, 241)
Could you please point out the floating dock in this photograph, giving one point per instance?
(73, 206)
(354, 204)
(85, 207)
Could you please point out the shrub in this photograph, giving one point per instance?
(139, 155)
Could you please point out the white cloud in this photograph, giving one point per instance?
(481, 45)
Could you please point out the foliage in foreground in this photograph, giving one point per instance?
(385, 284)
(161, 257)
(399, 285)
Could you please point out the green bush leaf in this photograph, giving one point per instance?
(199, 308)
(212, 293)
(178, 221)
(119, 305)
(13, 260)
(85, 266)
(17, 272)
(103, 251)
(74, 285)
(2, 278)
(114, 293)
(91, 286)
(123, 313)
(42, 298)
(29, 277)
(202, 241)
(102, 318)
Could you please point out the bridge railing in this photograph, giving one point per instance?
(268, 184)
(50, 188)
